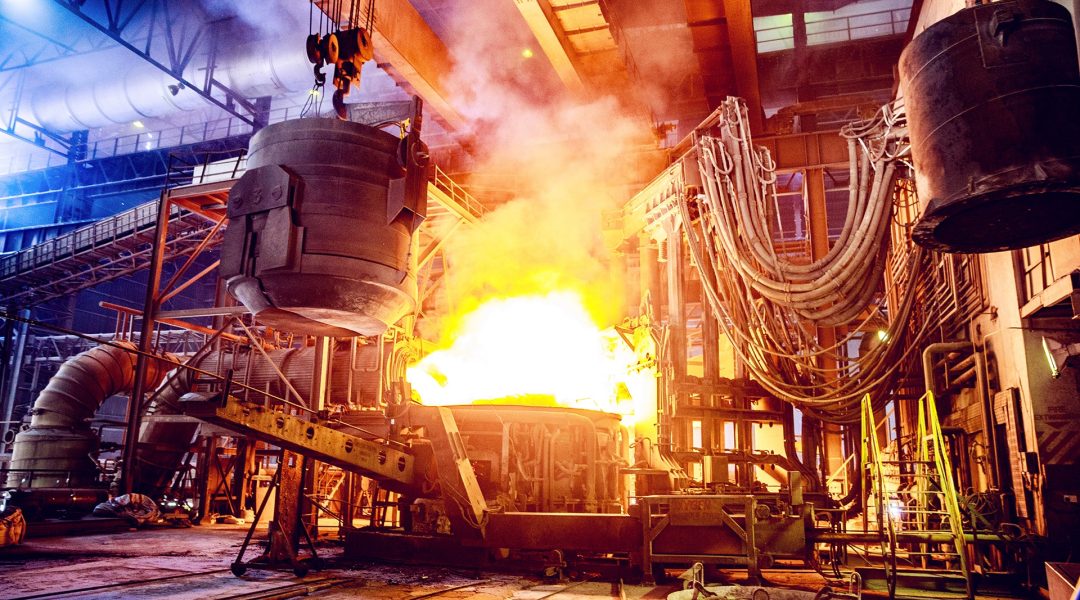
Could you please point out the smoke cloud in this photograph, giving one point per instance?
(563, 154)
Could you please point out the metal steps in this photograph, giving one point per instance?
(915, 584)
(110, 248)
(916, 496)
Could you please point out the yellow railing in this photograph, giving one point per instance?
(929, 467)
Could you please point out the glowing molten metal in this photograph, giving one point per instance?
(530, 346)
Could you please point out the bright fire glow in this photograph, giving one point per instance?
(535, 346)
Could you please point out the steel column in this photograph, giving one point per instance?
(146, 333)
(740, 29)
(676, 350)
(243, 469)
(649, 270)
(817, 214)
(289, 507)
(14, 372)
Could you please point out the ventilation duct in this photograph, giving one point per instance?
(163, 443)
(56, 451)
(142, 91)
(54, 461)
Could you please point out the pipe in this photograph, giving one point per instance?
(60, 443)
(852, 501)
(259, 68)
(813, 482)
(960, 381)
(855, 537)
(964, 365)
(142, 91)
(164, 442)
(928, 360)
(59, 440)
(988, 419)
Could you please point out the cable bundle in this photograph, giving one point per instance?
(770, 307)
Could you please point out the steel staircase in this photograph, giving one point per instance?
(328, 482)
(913, 502)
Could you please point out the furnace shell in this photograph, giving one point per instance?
(546, 459)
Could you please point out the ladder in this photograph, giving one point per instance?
(328, 482)
(916, 510)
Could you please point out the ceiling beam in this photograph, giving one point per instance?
(541, 19)
(405, 42)
(740, 26)
(183, 51)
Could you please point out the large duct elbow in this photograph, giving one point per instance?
(163, 442)
(55, 451)
(82, 383)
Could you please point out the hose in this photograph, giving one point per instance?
(764, 301)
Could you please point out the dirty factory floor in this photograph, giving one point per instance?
(183, 564)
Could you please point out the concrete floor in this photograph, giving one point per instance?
(190, 564)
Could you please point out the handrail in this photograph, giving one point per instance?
(80, 240)
(443, 182)
(141, 141)
(930, 461)
(930, 421)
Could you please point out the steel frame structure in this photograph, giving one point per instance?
(32, 133)
(48, 49)
(125, 173)
(103, 251)
(120, 245)
(206, 201)
(170, 39)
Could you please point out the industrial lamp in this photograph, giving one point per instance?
(1059, 355)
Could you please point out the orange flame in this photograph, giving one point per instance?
(516, 349)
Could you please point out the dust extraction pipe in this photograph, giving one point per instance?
(928, 360)
(56, 449)
(163, 443)
(140, 91)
